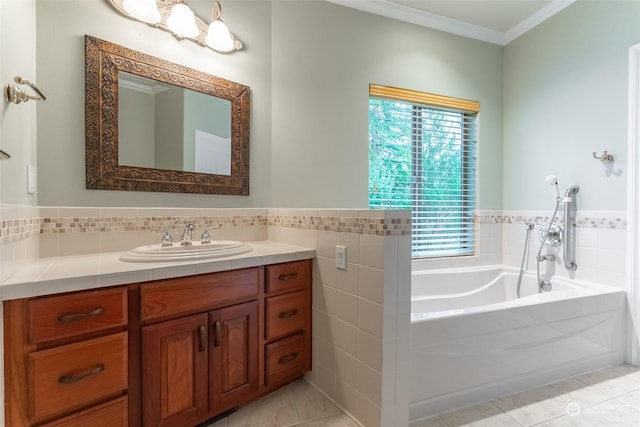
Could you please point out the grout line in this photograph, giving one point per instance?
(295, 403)
(582, 407)
(344, 411)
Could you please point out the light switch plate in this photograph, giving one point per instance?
(341, 257)
(31, 179)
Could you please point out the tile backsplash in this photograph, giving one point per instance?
(45, 220)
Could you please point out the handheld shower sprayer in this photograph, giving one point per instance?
(553, 181)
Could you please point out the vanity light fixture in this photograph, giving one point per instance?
(176, 17)
(182, 21)
(143, 10)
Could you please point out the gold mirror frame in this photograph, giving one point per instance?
(103, 62)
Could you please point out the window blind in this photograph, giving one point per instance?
(422, 157)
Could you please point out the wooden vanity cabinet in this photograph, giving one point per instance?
(287, 331)
(199, 365)
(66, 359)
(173, 352)
(174, 370)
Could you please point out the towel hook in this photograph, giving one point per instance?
(16, 95)
(604, 158)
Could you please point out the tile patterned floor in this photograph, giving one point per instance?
(605, 398)
(297, 405)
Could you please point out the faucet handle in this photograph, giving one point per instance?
(166, 239)
(205, 238)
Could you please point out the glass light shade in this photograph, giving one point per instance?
(143, 10)
(182, 21)
(219, 37)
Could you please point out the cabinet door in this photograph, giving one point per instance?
(234, 359)
(174, 363)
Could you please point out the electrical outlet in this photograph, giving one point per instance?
(341, 257)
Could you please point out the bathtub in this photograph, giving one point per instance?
(473, 340)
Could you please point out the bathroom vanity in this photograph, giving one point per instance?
(173, 352)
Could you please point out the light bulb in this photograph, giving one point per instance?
(143, 10)
(219, 37)
(182, 21)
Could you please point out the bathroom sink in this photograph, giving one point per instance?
(196, 251)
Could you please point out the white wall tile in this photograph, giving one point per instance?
(347, 368)
(370, 350)
(328, 271)
(342, 305)
(371, 284)
(613, 240)
(327, 243)
(369, 382)
(344, 335)
(370, 317)
(347, 280)
(372, 251)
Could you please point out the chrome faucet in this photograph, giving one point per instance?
(547, 257)
(166, 240)
(545, 286)
(187, 235)
(205, 239)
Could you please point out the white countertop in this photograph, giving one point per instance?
(64, 274)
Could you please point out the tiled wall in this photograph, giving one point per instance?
(361, 314)
(601, 239)
(19, 234)
(74, 231)
(601, 246)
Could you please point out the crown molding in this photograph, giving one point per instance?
(454, 26)
(536, 19)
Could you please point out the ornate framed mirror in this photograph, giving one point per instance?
(152, 125)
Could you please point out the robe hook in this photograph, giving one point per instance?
(604, 158)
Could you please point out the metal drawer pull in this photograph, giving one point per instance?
(288, 358)
(202, 335)
(217, 331)
(288, 314)
(66, 318)
(285, 277)
(72, 378)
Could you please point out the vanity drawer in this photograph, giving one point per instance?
(288, 276)
(111, 414)
(285, 314)
(286, 359)
(75, 375)
(66, 316)
(196, 293)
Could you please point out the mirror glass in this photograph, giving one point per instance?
(152, 125)
(165, 126)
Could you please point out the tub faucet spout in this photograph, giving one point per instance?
(545, 286)
(187, 235)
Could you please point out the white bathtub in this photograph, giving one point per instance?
(472, 339)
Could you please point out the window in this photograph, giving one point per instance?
(422, 157)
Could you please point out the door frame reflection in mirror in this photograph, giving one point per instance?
(103, 61)
(164, 126)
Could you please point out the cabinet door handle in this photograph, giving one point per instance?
(217, 332)
(72, 378)
(202, 337)
(73, 317)
(288, 358)
(289, 276)
(288, 314)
